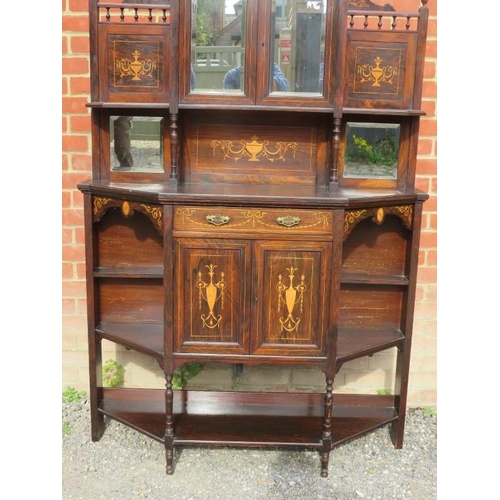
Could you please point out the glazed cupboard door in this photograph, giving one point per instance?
(264, 52)
(290, 291)
(212, 294)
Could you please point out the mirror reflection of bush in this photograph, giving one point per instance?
(381, 152)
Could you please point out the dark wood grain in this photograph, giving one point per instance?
(246, 419)
(253, 246)
(146, 338)
(352, 344)
(377, 251)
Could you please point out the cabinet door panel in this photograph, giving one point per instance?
(292, 283)
(212, 296)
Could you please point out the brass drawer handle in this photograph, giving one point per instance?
(217, 220)
(288, 221)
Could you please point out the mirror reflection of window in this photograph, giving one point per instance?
(136, 144)
(297, 57)
(218, 46)
(371, 150)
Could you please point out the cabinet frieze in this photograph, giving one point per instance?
(245, 219)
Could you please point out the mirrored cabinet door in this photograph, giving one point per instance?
(298, 49)
(250, 51)
(297, 42)
(216, 50)
(218, 38)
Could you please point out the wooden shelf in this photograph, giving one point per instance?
(247, 419)
(356, 343)
(383, 111)
(148, 339)
(129, 105)
(129, 272)
(143, 337)
(366, 279)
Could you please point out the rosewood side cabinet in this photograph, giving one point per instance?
(253, 201)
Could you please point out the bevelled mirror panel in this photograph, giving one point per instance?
(298, 46)
(136, 144)
(218, 46)
(371, 150)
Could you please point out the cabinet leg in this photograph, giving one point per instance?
(397, 431)
(327, 429)
(325, 457)
(170, 460)
(169, 431)
(95, 378)
(96, 423)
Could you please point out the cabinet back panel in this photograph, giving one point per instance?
(128, 242)
(376, 250)
(258, 149)
(130, 300)
(370, 306)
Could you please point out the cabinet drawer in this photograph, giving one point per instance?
(253, 220)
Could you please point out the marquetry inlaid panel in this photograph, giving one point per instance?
(212, 295)
(289, 299)
(101, 204)
(284, 221)
(134, 65)
(380, 69)
(259, 148)
(378, 215)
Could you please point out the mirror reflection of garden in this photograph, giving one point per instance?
(371, 150)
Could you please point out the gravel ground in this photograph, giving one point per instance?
(125, 465)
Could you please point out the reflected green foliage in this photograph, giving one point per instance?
(382, 152)
(185, 373)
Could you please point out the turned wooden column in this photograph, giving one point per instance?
(174, 150)
(169, 431)
(327, 432)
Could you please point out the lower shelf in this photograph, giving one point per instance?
(247, 419)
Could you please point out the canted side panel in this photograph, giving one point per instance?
(212, 296)
(134, 63)
(124, 300)
(380, 70)
(290, 298)
(127, 242)
(373, 307)
(377, 250)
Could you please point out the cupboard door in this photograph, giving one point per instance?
(290, 290)
(212, 296)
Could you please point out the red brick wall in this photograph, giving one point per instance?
(76, 165)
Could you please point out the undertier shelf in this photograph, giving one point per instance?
(247, 419)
